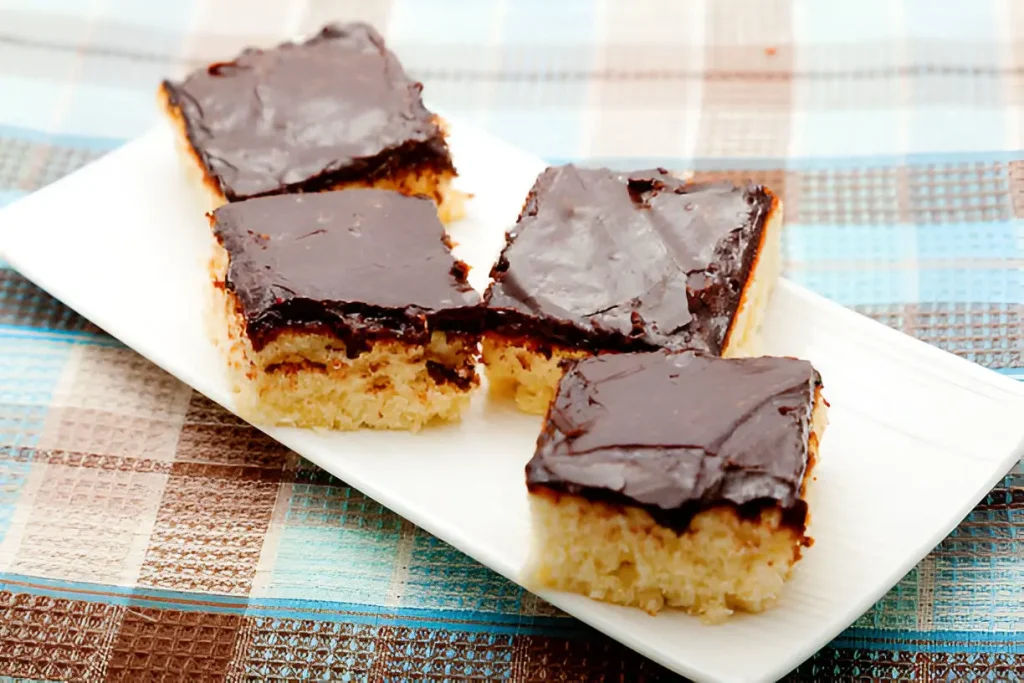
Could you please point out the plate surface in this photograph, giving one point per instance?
(917, 436)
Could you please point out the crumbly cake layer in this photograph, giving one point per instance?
(306, 379)
(426, 181)
(723, 562)
(517, 369)
(528, 369)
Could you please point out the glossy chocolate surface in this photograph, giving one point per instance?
(307, 116)
(619, 261)
(359, 263)
(676, 433)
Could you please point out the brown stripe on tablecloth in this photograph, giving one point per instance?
(54, 639)
(270, 648)
(849, 664)
(988, 334)
(172, 645)
(263, 472)
(210, 528)
(29, 164)
(593, 658)
(59, 639)
(988, 533)
(113, 402)
(860, 665)
(748, 118)
(968, 666)
(887, 665)
(429, 654)
(109, 434)
(212, 435)
(957, 193)
(88, 524)
(24, 305)
(86, 460)
(921, 195)
(856, 196)
(1016, 172)
(1004, 497)
(120, 381)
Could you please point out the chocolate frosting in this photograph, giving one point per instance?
(627, 261)
(336, 108)
(676, 433)
(361, 263)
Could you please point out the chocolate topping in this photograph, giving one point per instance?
(676, 433)
(627, 261)
(359, 263)
(306, 116)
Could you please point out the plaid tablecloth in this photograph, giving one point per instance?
(145, 534)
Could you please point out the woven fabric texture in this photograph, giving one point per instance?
(145, 534)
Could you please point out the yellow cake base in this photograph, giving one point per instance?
(720, 564)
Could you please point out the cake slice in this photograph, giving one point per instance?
(601, 261)
(343, 310)
(675, 479)
(333, 112)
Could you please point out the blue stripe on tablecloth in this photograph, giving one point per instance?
(7, 197)
(56, 336)
(842, 23)
(957, 22)
(867, 638)
(91, 142)
(904, 241)
(568, 22)
(859, 285)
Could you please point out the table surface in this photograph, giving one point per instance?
(145, 533)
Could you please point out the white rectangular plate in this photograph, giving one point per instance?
(917, 436)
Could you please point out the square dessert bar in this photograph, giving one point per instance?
(675, 479)
(601, 261)
(343, 310)
(333, 112)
